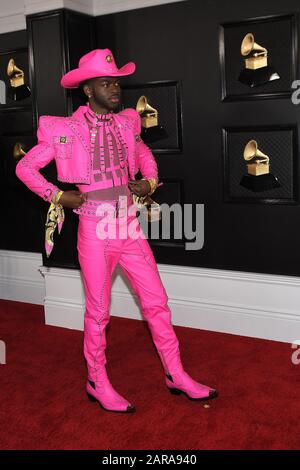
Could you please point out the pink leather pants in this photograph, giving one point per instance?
(98, 259)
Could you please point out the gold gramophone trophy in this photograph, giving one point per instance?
(151, 130)
(18, 151)
(256, 70)
(149, 209)
(258, 176)
(18, 89)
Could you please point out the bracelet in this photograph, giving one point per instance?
(57, 197)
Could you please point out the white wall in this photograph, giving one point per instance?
(247, 304)
(103, 7)
(12, 16)
(20, 278)
(13, 12)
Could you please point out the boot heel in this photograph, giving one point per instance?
(175, 391)
(91, 398)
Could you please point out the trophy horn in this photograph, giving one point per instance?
(18, 151)
(249, 46)
(251, 152)
(18, 89)
(148, 114)
(16, 75)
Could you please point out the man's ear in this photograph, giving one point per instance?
(86, 89)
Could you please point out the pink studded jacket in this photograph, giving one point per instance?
(67, 140)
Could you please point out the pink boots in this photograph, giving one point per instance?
(167, 345)
(178, 381)
(98, 260)
(183, 383)
(107, 397)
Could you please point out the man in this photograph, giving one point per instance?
(101, 151)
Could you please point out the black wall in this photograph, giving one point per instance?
(181, 42)
(52, 44)
(20, 208)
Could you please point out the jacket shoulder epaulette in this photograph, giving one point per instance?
(130, 118)
(48, 121)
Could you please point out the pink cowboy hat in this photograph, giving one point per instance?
(97, 63)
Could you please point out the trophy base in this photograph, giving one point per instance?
(18, 93)
(152, 134)
(260, 183)
(257, 77)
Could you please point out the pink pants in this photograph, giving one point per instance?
(98, 259)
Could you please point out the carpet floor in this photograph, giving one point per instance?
(44, 404)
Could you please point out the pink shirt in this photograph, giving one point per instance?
(109, 175)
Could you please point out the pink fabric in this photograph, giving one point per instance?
(108, 164)
(105, 393)
(96, 63)
(27, 169)
(98, 259)
(67, 140)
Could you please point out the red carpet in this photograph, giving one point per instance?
(44, 406)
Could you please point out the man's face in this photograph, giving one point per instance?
(105, 91)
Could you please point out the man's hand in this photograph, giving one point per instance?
(139, 187)
(72, 199)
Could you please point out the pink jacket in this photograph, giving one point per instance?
(67, 139)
